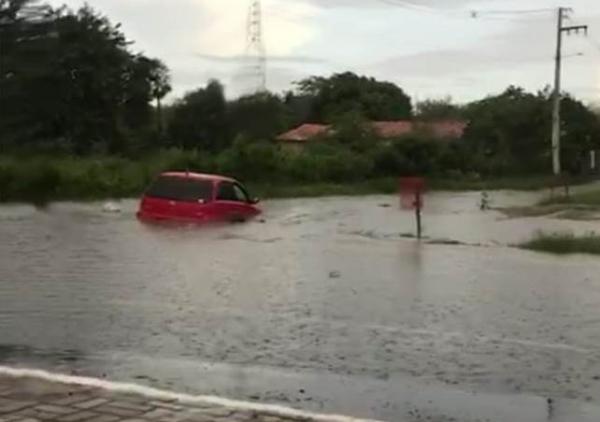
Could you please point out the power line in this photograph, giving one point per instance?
(416, 7)
(518, 11)
(473, 13)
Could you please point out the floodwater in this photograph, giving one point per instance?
(322, 306)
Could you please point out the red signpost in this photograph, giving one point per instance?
(411, 197)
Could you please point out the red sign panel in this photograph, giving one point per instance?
(411, 192)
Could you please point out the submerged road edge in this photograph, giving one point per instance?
(181, 398)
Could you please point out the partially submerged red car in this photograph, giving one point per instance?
(194, 197)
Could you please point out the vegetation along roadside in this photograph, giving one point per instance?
(86, 116)
(564, 243)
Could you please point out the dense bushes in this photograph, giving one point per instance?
(325, 163)
(69, 81)
(42, 178)
(564, 243)
(35, 181)
(247, 160)
(71, 84)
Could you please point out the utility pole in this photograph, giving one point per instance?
(556, 124)
(556, 97)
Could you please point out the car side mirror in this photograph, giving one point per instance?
(254, 201)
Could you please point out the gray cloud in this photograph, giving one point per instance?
(433, 5)
(432, 53)
(235, 59)
(522, 43)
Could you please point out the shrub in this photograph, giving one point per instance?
(7, 179)
(36, 181)
(410, 155)
(250, 160)
(327, 163)
(175, 159)
(564, 243)
(388, 161)
(354, 132)
(345, 166)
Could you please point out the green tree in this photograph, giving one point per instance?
(353, 131)
(70, 80)
(298, 107)
(595, 108)
(103, 91)
(258, 116)
(346, 92)
(510, 132)
(250, 160)
(199, 120)
(431, 110)
(25, 33)
(160, 85)
(580, 133)
(412, 155)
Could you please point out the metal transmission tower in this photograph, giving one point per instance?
(255, 46)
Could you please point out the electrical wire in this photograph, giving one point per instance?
(519, 11)
(416, 7)
(474, 14)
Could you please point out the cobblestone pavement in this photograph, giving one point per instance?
(35, 400)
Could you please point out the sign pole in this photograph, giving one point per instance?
(411, 198)
(418, 212)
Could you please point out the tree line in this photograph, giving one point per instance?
(71, 83)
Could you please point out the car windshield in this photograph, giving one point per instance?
(180, 189)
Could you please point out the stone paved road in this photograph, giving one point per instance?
(35, 400)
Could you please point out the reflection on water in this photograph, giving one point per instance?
(252, 311)
(12, 353)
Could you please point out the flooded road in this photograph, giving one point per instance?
(323, 306)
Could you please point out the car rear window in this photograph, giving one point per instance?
(181, 189)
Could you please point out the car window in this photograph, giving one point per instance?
(180, 189)
(240, 193)
(231, 192)
(226, 192)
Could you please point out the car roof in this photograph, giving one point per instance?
(199, 176)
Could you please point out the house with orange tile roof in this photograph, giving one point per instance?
(300, 136)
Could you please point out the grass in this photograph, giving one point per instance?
(557, 210)
(591, 198)
(564, 243)
(521, 183)
(583, 206)
(389, 185)
(303, 190)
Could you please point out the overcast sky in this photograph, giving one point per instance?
(431, 48)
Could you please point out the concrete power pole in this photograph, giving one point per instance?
(556, 123)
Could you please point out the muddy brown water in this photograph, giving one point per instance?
(323, 306)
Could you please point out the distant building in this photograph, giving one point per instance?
(297, 138)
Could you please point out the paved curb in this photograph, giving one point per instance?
(38, 396)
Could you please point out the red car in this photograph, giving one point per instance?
(193, 197)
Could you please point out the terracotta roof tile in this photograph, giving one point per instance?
(304, 132)
(393, 129)
(384, 129)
